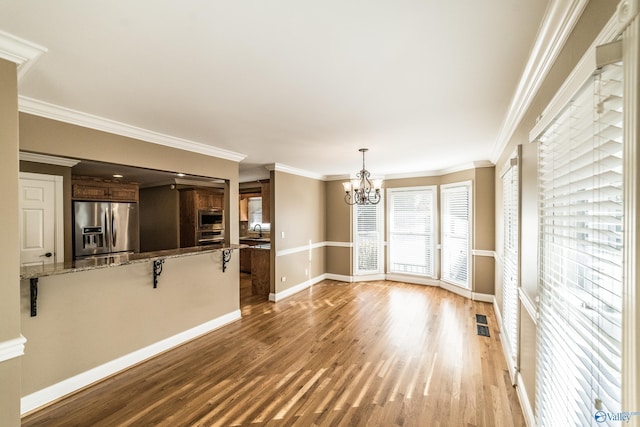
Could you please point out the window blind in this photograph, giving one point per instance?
(456, 232)
(411, 230)
(368, 238)
(255, 211)
(510, 268)
(580, 179)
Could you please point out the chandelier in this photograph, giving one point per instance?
(362, 191)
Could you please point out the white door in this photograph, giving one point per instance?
(40, 222)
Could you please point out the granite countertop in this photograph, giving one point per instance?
(116, 260)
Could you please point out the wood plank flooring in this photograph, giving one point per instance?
(359, 354)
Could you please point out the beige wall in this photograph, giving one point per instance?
(9, 243)
(300, 214)
(65, 173)
(88, 318)
(338, 230)
(596, 14)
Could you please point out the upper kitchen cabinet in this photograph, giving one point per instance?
(96, 189)
(208, 199)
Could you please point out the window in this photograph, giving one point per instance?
(254, 209)
(368, 226)
(580, 326)
(411, 230)
(510, 265)
(456, 232)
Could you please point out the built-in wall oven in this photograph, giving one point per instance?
(210, 227)
(210, 219)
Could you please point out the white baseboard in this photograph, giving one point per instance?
(339, 277)
(415, 280)
(457, 290)
(49, 394)
(297, 288)
(527, 410)
(496, 310)
(476, 296)
(368, 277)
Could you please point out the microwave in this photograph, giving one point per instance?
(210, 219)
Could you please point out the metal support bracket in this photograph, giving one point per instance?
(157, 271)
(226, 257)
(34, 295)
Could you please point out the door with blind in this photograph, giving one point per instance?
(368, 224)
(411, 228)
(511, 262)
(581, 204)
(456, 233)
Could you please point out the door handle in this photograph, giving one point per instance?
(114, 232)
(48, 255)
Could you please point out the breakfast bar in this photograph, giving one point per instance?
(96, 317)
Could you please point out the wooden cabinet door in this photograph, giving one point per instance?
(90, 192)
(244, 209)
(124, 193)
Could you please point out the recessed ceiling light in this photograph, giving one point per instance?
(117, 175)
(180, 174)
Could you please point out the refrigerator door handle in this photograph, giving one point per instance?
(114, 231)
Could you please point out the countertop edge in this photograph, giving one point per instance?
(65, 268)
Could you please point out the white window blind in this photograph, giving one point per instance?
(510, 268)
(411, 226)
(580, 178)
(368, 227)
(456, 232)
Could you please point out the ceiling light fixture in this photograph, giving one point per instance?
(117, 175)
(362, 191)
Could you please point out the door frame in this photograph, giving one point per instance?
(58, 209)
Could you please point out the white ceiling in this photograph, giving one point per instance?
(424, 84)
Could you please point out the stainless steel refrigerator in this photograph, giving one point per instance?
(105, 228)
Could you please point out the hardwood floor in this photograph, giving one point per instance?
(359, 354)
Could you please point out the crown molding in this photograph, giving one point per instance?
(558, 22)
(421, 174)
(19, 51)
(51, 160)
(294, 171)
(67, 115)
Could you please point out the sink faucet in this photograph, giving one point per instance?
(260, 229)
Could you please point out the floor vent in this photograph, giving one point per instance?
(482, 319)
(483, 330)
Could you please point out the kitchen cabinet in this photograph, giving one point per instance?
(244, 209)
(84, 189)
(206, 199)
(245, 254)
(192, 200)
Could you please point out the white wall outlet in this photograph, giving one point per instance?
(306, 271)
(282, 234)
(284, 278)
